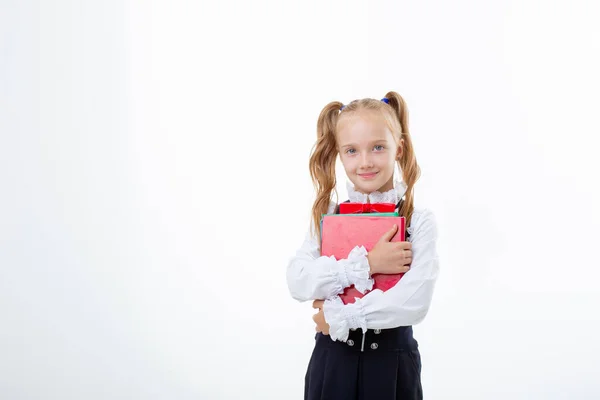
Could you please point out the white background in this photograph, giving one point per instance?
(154, 184)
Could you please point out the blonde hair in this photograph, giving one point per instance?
(325, 152)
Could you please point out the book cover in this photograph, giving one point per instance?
(342, 232)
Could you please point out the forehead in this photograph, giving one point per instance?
(362, 126)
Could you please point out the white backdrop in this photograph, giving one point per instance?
(154, 184)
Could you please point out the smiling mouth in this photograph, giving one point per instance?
(370, 175)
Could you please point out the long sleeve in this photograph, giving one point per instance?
(406, 303)
(311, 276)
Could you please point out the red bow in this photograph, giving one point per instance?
(358, 208)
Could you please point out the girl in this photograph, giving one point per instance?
(382, 360)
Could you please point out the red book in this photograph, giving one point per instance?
(341, 233)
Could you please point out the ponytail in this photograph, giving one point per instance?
(408, 161)
(322, 162)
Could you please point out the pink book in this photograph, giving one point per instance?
(341, 233)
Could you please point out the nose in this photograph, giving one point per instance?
(365, 160)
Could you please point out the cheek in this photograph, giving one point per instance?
(348, 165)
(384, 159)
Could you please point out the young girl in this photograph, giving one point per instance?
(366, 350)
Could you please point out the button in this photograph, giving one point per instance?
(350, 342)
(377, 331)
(374, 346)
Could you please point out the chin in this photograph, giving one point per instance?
(368, 187)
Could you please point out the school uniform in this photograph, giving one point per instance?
(370, 352)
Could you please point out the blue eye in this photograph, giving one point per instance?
(377, 147)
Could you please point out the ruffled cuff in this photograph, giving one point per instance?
(343, 317)
(354, 270)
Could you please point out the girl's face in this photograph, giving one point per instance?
(367, 151)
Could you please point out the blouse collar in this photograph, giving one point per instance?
(391, 196)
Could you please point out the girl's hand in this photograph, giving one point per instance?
(319, 318)
(390, 257)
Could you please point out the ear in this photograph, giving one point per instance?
(400, 149)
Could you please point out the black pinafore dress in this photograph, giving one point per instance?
(382, 364)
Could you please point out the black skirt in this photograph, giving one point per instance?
(380, 365)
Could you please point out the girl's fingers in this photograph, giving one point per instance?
(403, 251)
(403, 245)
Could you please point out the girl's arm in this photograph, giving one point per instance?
(311, 276)
(406, 303)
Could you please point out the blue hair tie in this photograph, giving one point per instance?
(342, 107)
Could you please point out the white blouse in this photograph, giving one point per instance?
(311, 276)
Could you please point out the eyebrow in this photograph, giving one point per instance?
(354, 144)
